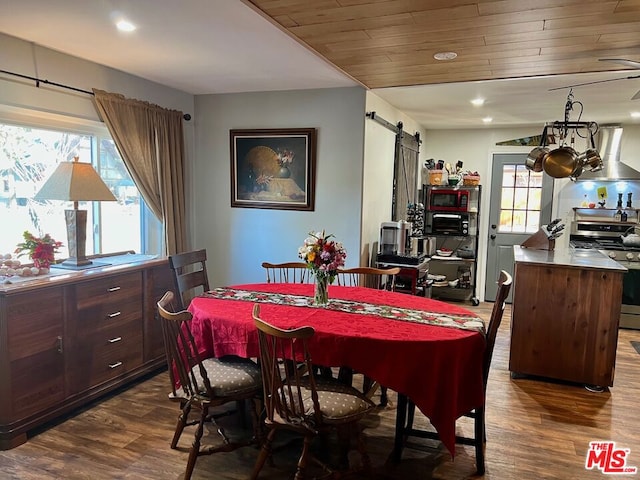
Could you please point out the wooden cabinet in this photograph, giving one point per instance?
(64, 345)
(35, 352)
(565, 315)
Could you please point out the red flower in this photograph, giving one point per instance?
(40, 250)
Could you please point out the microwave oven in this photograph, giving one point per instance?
(448, 200)
(440, 223)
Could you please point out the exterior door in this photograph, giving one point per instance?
(520, 201)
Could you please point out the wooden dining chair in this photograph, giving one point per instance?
(370, 277)
(289, 272)
(478, 414)
(203, 384)
(380, 278)
(189, 274)
(298, 402)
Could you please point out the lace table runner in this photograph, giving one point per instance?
(461, 321)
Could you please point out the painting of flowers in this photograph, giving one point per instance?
(273, 168)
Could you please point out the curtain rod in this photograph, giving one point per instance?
(38, 81)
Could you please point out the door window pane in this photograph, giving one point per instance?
(519, 221)
(520, 198)
(508, 176)
(505, 221)
(535, 199)
(506, 198)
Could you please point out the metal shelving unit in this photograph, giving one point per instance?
(462, 272)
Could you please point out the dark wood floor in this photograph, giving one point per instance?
(535, 430)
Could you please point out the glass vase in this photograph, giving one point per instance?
(321, 291)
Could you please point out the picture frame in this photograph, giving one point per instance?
(273, 168)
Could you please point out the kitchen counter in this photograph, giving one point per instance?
(565, 315)
(568, 257)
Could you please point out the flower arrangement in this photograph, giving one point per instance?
(40, 250)
(323, 256)
(285, 157)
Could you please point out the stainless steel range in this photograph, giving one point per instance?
(606, 236)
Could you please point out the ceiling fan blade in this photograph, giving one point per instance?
(587, 83)
(596, 81)
(622, 61)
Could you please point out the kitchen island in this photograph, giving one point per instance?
(565, 315)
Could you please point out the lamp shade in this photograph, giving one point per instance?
(75, 181)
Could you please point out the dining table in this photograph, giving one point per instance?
(427, 350)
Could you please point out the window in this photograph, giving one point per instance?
(521, 200)
(29, 154)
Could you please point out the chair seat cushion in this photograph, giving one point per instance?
(338, 402)
(230, 376)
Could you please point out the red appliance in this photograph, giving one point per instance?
(448, 200)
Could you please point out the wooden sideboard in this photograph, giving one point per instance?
(565, 315)
(71, 336)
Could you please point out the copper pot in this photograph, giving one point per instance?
(535, 158)
(561, 162)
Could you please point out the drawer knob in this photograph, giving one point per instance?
(114, 365)
(114, 314)
(113, 289)
(115, 340)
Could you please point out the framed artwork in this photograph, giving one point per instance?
(273, 168)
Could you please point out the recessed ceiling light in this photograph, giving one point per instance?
(635, 114)
(477, 102)
(445, 55)
(487, 120)
(125, 26)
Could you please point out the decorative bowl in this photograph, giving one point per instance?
(444, 252)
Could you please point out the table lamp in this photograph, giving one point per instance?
(76, 182)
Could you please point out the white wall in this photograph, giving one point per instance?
(23, 58)
(238, 240)
(377, 189)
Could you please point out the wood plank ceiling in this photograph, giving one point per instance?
(385, 43)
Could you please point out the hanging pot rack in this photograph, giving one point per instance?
(565, 161)
(563, 128)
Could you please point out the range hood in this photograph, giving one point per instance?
(609, 139)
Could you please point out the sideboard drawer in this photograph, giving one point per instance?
(108, 302)
(104, 355)
(110, 290)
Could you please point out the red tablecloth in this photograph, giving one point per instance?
(439, 368)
